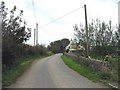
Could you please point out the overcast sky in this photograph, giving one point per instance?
(49, 10)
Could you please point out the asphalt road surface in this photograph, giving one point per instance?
(51, 72)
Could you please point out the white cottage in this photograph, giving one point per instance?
(72, 47)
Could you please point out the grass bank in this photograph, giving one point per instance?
(91, 74)
(10, 75)
(84, 71)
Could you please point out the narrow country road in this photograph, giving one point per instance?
(51, 72)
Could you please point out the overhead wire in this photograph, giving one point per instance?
(60, 17)
(34, 11)
(52, 36)
(52, 20)
(89, 14)
(56, 20)
(36, 20)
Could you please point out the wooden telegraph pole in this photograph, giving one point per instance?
(86, 27)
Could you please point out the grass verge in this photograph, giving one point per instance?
(9, 76)
(91, 74)
(84, 71)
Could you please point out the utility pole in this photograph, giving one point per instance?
(86, 27)
(36, 33)
(34, 36)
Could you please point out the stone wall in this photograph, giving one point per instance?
(98, 65)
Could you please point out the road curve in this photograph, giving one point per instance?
(51, 72)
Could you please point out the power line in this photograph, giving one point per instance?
(52, 36)
(60, 17)
(89, 14)
(52, 20)
(56, 20)
(34, 10)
